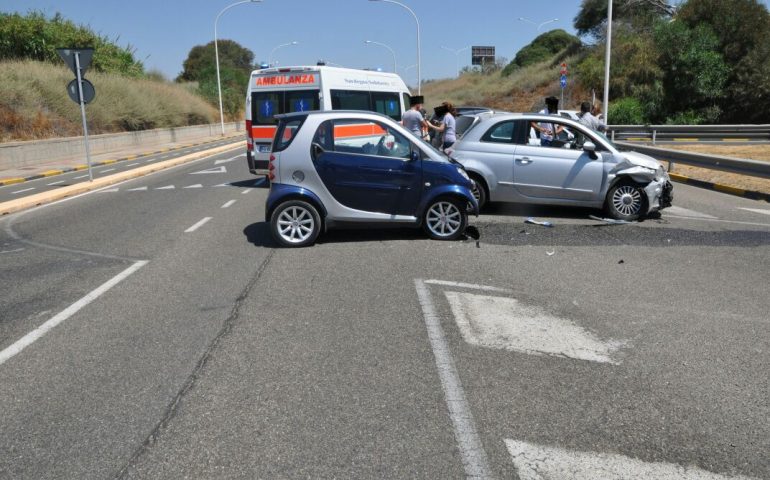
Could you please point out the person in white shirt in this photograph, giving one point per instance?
(412, 119)
(589, 120)
(548, 131)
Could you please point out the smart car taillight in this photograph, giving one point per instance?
(271, 168)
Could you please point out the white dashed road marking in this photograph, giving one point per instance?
(167, 187)
(56, 183)
(197, 225)
(197, 185)
(228, 160)
(82, 176)
(108, 170)
(228, 204)
(756, 210)
(245, 191)
(132, 164)
(535, 462)
(220, 169)
(35, 334)
(22, 191)
(139, 189)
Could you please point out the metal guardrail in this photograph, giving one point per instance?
(664, 132)
(754, 168)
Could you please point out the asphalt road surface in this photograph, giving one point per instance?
(152, 329)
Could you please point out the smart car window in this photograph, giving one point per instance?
(323, 136)
(364, 137)
(500, 133)
(286, 132)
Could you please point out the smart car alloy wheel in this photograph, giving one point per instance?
(445, 219)
(295, 224)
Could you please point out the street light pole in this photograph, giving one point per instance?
(216, 56)
(457, 55)
(538, 25)
(419, 77)
(270, 58)
(391, 51)
(605, 105)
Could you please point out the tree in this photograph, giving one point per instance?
(543, 48)
(202, 57)
(592, 16)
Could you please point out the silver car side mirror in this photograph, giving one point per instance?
(589, 147)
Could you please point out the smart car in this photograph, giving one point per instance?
(505, 157)
(336, 168)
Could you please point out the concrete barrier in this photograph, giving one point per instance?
(25, 154)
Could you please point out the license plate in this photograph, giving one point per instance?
(264, 149)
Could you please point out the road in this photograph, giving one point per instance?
(168, 337)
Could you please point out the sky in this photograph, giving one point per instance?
(162, 32)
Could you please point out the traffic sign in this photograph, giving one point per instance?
(563, 81)
(89, 92)
(68, 55)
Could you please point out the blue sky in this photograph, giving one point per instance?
(164, 31)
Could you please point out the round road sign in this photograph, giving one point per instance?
(89, 92)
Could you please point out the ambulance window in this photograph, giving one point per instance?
(301, 101)
(387, 103)
(264, 107)
(350, 100)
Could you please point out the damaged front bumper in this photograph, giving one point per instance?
(660, 194)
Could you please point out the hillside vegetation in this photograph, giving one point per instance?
(34, 103)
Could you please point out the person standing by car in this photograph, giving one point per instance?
(447, 127)
(412, 119)
(589, 120)
(547, 130)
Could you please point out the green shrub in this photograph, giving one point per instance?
(626, 111)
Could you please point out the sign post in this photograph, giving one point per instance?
(563, 81)
(80, 90)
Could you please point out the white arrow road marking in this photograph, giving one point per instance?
(467, 285)
(228, 160)
(685, 212)
(140, 189)
(535, 462)
(197, 185)
(167, 187)
(756, 210)
(35, 334)
(505, 323)
(220, 169)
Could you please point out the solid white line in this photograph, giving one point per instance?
(721, 221)
(228, 204)
(755, 210)
(55, 183)
(468, 285)
(471, 450)
(35, 334)
(21, 191)
(197, 225)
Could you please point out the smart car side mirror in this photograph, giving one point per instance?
(415, 155)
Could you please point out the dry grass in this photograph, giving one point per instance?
(34, 103)
(753, 152)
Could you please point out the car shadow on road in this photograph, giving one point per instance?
(259, 235)
(514, 209)
(251, 183)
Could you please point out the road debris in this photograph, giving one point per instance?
(538, 222)
(610, 221)
(550, 253)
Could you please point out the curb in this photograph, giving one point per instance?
(720, 188)
(42, 198)
(51, 173)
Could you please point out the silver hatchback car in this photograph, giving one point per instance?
(511, 161)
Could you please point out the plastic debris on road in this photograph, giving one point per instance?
(610, 221)
(538, 222)
(550, 253)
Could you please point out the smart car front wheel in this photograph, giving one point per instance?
(445, 219)
(295, 224)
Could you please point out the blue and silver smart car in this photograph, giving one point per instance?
(334, 168)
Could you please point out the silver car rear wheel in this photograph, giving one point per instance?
(445, 219)
(295, 224)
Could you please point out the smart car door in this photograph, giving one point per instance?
(368, 167)
(561, 170)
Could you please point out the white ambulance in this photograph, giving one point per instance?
(273, 91)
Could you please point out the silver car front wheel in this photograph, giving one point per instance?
(445, 219)
(625, 201)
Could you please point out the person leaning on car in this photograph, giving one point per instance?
(589, 120)
(547, 130)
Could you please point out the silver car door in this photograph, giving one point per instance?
(559, 171)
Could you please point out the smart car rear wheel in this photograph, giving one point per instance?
(626, 201)
(445, 219)
(295, 224)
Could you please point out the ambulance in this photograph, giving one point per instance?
(274, 91)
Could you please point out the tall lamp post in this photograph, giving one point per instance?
(457, 56)
(419, 77)
(270, 59)
(606, 103)
(539, 25)
(383, 45)
(216, 55)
